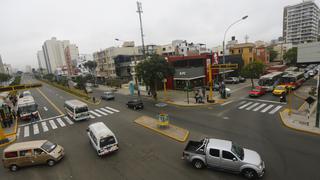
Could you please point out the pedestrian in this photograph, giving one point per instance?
(32, 118)
(94, 99)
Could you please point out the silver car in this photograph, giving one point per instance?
(225, 155)
(108, 95)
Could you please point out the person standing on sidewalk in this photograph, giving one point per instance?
(203, 92)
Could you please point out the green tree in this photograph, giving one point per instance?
(49, 77)
(81, 82)
(91, 66)
(4, 77)
(291, 56)
(273, 53)
(153, 70)
(253, 70)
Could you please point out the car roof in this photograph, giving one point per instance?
(219, 144)
(100, 130)
(25, 145)
(75, 102)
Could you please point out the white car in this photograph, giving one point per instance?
(311, 73)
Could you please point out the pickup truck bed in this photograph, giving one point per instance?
(192, 146)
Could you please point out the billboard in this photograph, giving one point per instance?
(309, 53)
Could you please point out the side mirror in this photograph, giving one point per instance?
(234, 159)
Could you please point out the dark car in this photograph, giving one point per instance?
(242, 79)
(135, 104)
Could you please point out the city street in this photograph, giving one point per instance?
(144, 154)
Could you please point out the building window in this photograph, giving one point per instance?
(250, 50)
(232, 52)
(239, 51)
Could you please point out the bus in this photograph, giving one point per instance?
(293, 79)
(77, 110)
(269, 81)
(27, 106)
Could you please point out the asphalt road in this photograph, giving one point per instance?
(145, 154)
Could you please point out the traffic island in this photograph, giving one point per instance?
(169, 130)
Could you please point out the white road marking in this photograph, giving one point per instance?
(18, 132)
(115, 110)
(45, 108)
(91, 116)
(259, 107)
(62, 124)
(266, 109)
(68, 120)
(242, 102)
(44, 126)
(53, 125)
(103, 113)
(35, 129)
(110, 112)
(275, 110)
(94, 113)
(26, 131)
(252, 106)
(241, 107)
(228, 102)
(261, 100)
(26, 124)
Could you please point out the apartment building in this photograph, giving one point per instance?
(1, 66)
(301, 22)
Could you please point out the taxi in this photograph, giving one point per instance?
(278, 90)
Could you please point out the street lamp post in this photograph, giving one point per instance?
(224, 38)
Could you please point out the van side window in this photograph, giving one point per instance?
(38, 151)
(11, 154)
(227, 155)
(93, 138)
(25, 153)
(214, 152)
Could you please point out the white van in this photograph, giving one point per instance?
(77, 110)
(102, 138)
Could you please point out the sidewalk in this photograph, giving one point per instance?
(173, 97)
(301, 119)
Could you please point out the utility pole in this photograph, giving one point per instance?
(139, 11)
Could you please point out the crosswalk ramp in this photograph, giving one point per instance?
(262, 107)
(36, 128)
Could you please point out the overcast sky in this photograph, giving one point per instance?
(94, 24)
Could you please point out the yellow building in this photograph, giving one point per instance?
(246, 49)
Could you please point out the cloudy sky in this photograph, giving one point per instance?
(94, 24)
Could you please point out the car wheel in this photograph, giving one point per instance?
(198, 164)
(51, 162)
(249, 173)
(14, 168)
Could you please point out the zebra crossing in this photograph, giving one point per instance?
(261, 107)
(43, 126)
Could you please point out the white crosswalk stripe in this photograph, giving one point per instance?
(252, 106)
(91, 116)
(103, 113)
(267, 108)
(68, 120)
(94, 113)
(242, 102)
(35, 129)
(275, 110)
(44, 126)
(26, 131)
(103, 109)
(259, 107)
(112, 109)
(53, 125)
(62, 124)
(241, 107)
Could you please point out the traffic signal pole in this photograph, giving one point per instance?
(210, 82)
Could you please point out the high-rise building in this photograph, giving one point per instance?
(41, 61)
(54, 54)
(71, 55)
(301, 22)
(1, 66)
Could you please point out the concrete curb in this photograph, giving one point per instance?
(294, 128)
(165, 134)
(194, 105)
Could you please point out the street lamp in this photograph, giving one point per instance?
(224, 38)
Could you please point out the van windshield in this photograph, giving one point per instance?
(107, 141)
(81, 109)
(49, 146)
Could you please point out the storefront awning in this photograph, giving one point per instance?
(188, 79)
(189, 73)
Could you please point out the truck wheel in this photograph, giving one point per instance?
(51, 162)
(14, 168)
(198, 164)
(249, 173)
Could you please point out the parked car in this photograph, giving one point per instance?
(31, 153)
(102, 138)
(89, 90)
(306, 76)
(108, 95)
(231, 80)
(278, 90)
(224, 155)
(311, 72)
(257, 91)
(135, 104)
(242, 79)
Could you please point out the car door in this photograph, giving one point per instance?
(40, 156)
(213, 157)
(25, 157)
(229, 161)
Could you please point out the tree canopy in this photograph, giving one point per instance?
(291, 56)
(153, 70)
(91, 65)
(253, 70)
(273, 53)
(4, 77)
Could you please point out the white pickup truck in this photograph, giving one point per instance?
(225, 155)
